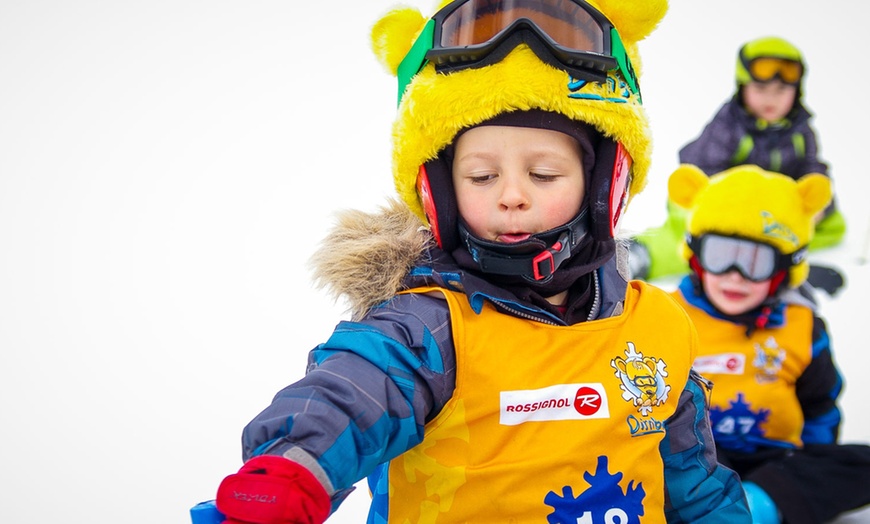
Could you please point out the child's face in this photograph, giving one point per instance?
(512, 182)
(769, 101)
(732, 294)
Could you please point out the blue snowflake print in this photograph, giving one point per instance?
(738, 427)
(603, 502)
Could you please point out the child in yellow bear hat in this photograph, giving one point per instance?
(764, 346)
(498, 367)
(764, 123)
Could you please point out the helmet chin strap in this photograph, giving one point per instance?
(535, 259)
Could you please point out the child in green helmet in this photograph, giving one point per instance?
(765, 123)
(774, 407)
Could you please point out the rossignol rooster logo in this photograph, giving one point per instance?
(642, 379)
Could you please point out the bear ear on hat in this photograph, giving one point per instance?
(685, 183)
(394, 34)
(634, 20)
(815, 191)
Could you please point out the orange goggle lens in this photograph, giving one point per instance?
(467, 34)
(765, 69)
(569, 23)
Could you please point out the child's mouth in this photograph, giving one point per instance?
(733, 295)
(513, 238)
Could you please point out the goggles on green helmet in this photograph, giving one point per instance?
(767, 68)
(756, 261)
(568, 34)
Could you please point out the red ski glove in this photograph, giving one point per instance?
(272, 490)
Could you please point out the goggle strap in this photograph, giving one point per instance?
(617, 48)
(416, 57)
(799, 256)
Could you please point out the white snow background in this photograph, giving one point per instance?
(167, 168)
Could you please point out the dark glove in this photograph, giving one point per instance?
(827, 278)
(272, 490)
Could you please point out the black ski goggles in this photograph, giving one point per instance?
(756, 261)
(765, 69)
(568, 34)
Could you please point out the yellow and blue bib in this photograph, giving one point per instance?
(545, 420)
(754, 401)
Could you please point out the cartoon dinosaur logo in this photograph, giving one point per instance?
(642, 379)
(768, 360)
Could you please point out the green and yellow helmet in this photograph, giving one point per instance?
(768, 58)
(523, 67)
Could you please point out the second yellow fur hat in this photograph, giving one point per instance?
(749, 202)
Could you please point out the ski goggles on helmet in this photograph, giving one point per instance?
(756, 261)
(568, 34)
(766, 68)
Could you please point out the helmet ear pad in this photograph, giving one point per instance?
(607, 192)
(435, 189)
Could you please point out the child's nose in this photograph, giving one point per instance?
(514, 196)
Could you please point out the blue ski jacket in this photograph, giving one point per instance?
(372, 387)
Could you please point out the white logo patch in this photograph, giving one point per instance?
(724, 364)
(561, 402)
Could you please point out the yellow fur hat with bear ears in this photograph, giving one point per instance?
(749, 202)
(435, 107)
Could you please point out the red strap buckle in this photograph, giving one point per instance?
(545, 256)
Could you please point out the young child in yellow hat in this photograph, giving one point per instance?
(498, 366)
(764, 345)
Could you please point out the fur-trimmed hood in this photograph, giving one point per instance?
(366, 256)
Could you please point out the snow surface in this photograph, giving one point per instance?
(166, 169)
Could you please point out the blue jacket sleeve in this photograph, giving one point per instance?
(369, 390)
(818, 389)
(699, 489)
